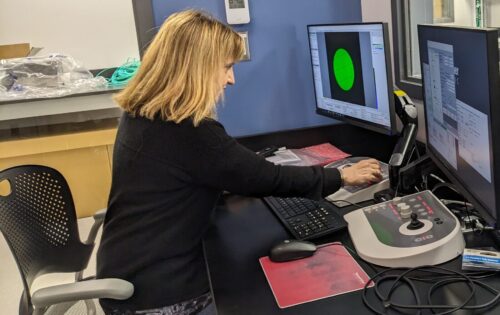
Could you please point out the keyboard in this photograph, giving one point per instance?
(305, 218)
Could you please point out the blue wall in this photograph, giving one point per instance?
(274, 90)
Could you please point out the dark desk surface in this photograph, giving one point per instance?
(244, 230)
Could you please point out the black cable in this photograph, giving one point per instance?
(397, 283)
(411, 154)
(466, 307)
(396, 191)
(385, 303)
(472, 274)
(484, 274)
(454, 189)
(429, 306)
(447, 185)
(468, 217)
(446, 276)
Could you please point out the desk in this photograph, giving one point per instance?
(244, 229)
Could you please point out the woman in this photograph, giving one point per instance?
(171, 162)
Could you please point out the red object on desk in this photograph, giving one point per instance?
(320, 154)
(329, 272)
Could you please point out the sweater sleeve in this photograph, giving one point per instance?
(225, 164)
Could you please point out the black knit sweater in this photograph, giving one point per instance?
(166, 180)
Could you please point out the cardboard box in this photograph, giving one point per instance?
(14, 51)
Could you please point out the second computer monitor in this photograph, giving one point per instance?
(462, 110)
(352, 74)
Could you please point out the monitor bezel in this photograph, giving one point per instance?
(392, 129)
(494, 116)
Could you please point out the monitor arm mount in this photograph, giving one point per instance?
(407, 112)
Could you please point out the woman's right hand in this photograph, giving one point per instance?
(363, 172)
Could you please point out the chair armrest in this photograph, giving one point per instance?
(92, 289)
(99, 215)
(98, 220)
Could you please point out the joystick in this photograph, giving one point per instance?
(415, 223)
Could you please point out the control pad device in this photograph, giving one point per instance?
(390, 220)
(359, 193)
(406, 232)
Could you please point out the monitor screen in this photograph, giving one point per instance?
(352, 74)
(460, 79)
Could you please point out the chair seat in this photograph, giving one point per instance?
(78, 308)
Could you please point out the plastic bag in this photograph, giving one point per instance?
(55, 75)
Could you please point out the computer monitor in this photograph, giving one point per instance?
(461, 87)
(352, 74)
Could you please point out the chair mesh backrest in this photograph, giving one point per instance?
(39, 223)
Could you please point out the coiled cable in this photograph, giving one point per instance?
(123, 74)
(444, 277)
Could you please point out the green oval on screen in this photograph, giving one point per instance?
(343, 69)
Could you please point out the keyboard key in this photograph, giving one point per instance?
(305, 218)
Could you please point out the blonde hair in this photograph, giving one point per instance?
(179, 74)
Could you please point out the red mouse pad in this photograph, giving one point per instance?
(329, 272)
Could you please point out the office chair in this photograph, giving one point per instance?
(38, 221)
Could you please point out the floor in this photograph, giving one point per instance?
(11, 285)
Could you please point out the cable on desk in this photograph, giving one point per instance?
(447, 185)
(447, 202)
(437, 178)
(445, 277)
(467, 213)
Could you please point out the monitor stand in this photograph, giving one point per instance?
(355, 194)
(401, 154)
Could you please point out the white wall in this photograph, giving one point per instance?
(99, 33)
(493, 18)
(464, 13)
(380, 11)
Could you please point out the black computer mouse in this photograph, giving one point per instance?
(291, 250)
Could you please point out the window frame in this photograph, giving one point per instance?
(447, 18)
(401, 37)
